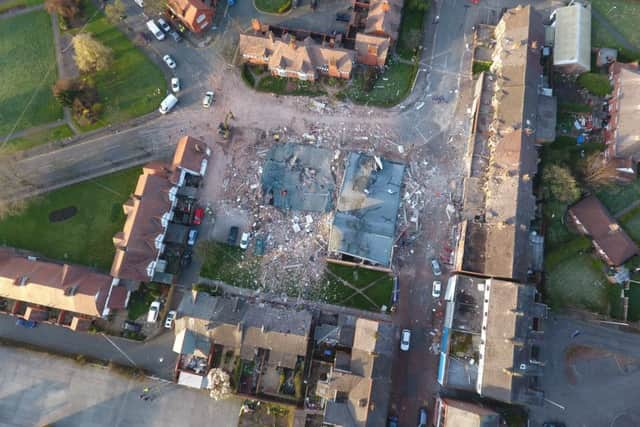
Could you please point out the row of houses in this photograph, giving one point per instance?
(376, 22)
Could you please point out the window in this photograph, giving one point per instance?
(200, 18)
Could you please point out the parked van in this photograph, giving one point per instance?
(139, 2)
(155, 30)
(168, 103)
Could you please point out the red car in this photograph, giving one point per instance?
(197, 216)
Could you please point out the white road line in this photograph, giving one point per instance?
(555, 404)
(119, 349)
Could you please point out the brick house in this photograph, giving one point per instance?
(194, 14)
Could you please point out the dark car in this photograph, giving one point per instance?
(26, 323)
(392, 421)
(132, 326)
(186, 258)
(259, 247)
(343, 17)
(314, 4)
(175, 36)
(553, 424)
(233, 235)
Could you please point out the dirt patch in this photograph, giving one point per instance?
(63, 214)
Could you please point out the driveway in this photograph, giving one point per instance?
(591, 375)
(38, 389)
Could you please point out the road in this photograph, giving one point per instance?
(37, 389)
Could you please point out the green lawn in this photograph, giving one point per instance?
(335, 292)
(12, 4)
(411, 32)
(284, 86)
(631, 223)
(27, 71)
(390, 88)
(85, 238)
(133, 85)
(229, 264)
(624, 15)
(273, 6)
(618, 197)
(33, 139)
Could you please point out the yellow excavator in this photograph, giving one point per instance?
(224, 129)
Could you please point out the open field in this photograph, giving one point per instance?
(133, 85)
(27, 71)
(39, 137)
(390, 88)
(624, 15)
(86, 237)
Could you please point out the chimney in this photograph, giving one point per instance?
(255, 25)
(194, 295)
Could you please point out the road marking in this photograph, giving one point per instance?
(555, 404)
(119, 349)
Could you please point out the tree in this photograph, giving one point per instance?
(65, 91)
(559, 184)
(597, 172)
(115, 12)
(155, 7)
(90, 54)
(68, 9)
(219, 384)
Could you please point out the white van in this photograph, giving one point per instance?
(167, 104)
(139, 2)
(155, 30)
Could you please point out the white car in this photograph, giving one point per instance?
(169, 61)
(163, 24)
(437, 287)
(405, 339)
(154, 311)
(435, 267)
(208, 99)
(244, 241)
(171, 316)
(175, 84)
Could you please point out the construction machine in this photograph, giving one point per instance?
(224, 129)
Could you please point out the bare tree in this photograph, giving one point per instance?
(66, 8)
(115, 12)
(219, 384)
(597, 172)
(90, 54)
(155, 7)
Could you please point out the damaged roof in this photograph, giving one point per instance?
(365, 221)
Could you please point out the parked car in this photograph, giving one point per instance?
(435, 267)
(26, 323)
(553, 424)
(132, 326)
(343, 17)
(164, 25)
(405, 340)
(169, 61)
(233, 235)
(258, 248)
(175, 84)
(168, 103)
(208, 99)
(139, 2)
(422, 417)
(186, 258)
(198, 214)
(244, 240)
(392, 421)
(175, 36)
(437, 287)
(154, 311)
(155, 30)
(171, 316)
(193, 236)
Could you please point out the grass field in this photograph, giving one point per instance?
(33, 139)
(375, 284)
(389, 89)
(85, 238)
(411, 33)
(27, 71)
(273, 6)
(12, 4)
(133, 85)
(624, 15)
(229, 264)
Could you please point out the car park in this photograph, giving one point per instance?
(208, 99)
(422, 417)
(193, 236)
(405, 340)
(131, 326)
(244, 240)
(436, 289)
(169, 61)
(175, 84)
(233, 235)
(198, 215)
(171, 316)
(435, 267)
(26, 323)
(154, 311)
(164, 25)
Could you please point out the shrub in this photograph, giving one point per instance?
(480, 66)
(298, 383)
(284, 7)
(66, 90)
(597, 84)
(247, 76)
(67, 9)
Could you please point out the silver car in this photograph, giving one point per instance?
(435, 267)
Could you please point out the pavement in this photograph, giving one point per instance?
(595, 390)
(37, 389)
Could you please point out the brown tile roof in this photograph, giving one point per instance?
(194, 14)
(61, 286)
(190, 154)
(136, 246)
(371, 49)
(118, 298)
(604, 230)
(624, 125)
(384, 18)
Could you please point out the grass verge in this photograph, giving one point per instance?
(229, 264)
(85, 238)
(17, 4)
(622, 15)
(273, 6)
(27, 71)
(284, 86)
(384, 90)
(33, 139)
(411, 28)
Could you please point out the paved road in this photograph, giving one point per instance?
(155, 355)
(38, 389)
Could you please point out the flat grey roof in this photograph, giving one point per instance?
(365, 221)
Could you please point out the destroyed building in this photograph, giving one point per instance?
(456, 413)
(364, 224)
(491, 339)
(622, 133)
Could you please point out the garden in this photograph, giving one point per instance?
(370, 87)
